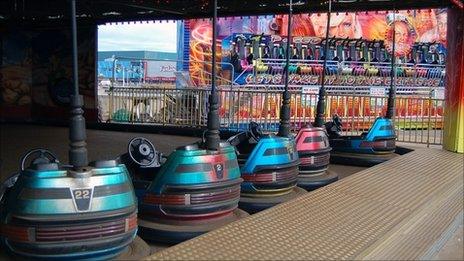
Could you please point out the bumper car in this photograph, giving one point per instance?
(52, 211)
(313, 148)
(269, 163)
(191, 192)
(49, 211)
(368, 149)
(269, 168)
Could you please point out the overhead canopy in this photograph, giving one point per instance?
(100, 11)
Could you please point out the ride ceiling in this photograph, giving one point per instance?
(23, 12)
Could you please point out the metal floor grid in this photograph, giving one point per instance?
(402, 209)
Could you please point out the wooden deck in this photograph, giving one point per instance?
(406, 208)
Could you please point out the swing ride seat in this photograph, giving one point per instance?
(191, 192)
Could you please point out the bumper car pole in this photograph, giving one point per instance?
(212, 134)
(284, 127)
(320, 109)
(392, 92)
(77, 136)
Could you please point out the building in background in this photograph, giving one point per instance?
(137, 66)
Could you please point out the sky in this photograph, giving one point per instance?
(158, 36)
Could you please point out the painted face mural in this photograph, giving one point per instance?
(441, 26)
(405, 35)
(301, 25)
(341, 25)
(347, 26)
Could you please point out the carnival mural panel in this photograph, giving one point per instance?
(15, 70)
(252, 50)
(36, 72)
(411, 26)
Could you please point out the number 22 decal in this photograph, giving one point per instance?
(82, 193)
(82, 198)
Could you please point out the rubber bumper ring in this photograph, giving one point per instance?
(101, 254)
(179, 231)
(137, 250)
(361, 160)
(257, 204)
(312, 182)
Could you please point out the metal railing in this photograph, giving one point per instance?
(417, 119)
(174, 107)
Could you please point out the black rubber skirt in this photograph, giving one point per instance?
(256, 204)
(173, 232)
(361, 160)
(311, 182)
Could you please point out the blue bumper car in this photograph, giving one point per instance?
(49, 211)
(269, 169)
(368, 149)
(188, 193)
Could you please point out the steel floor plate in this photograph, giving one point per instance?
(402, 209)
